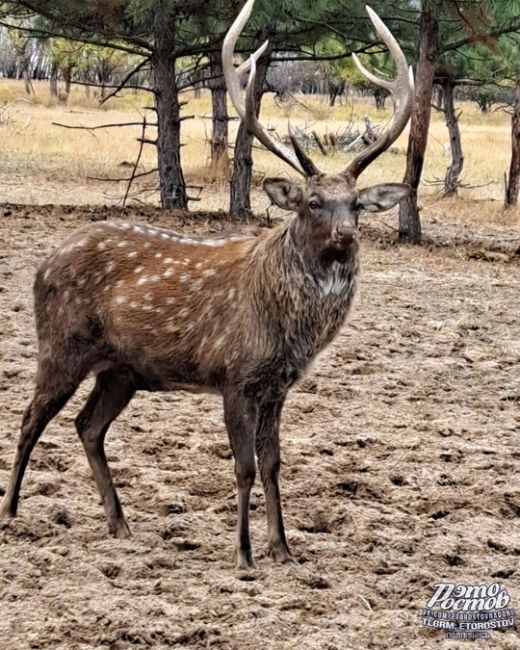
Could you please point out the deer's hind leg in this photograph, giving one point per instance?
(113, 391)
(56, 382)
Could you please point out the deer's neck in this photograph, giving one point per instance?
(308, 299)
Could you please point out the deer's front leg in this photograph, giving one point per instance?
(240, 414)
(268, 453)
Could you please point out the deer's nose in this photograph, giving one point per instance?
(345, 235)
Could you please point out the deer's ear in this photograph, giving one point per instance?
(283, 193)
(382, 197)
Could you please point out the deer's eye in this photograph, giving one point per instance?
(314, 205)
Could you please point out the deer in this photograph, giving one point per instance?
(143, 308)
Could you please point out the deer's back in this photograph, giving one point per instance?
(167, 305)
(184, 312)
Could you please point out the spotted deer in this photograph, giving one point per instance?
(143, 308)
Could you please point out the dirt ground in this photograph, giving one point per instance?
(400, 470)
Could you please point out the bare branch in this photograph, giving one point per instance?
(124, 82)
(93, 84)
(108, 179)
(100, 126)
(134, 170)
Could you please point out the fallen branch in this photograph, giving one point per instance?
(318, 142)
(436, 181)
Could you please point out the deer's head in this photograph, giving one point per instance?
(328, 206)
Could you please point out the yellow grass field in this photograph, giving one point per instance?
(43, 163)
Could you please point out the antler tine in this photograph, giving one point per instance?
(297, 159)
(246, 65)
(247, 110)
(305, 160)
(402, 89)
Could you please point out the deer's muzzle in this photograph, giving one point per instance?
(344, 237)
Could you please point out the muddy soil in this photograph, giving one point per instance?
(400, 470)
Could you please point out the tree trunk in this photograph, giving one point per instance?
(54, 80)
(220, 118)
(513, 181)
(25, 63)
(335, 88)
(171, 178)
(380, 96)
(67, 76)
(451, 180)
(409, 219)
(240, 199)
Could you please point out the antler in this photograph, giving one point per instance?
(402, 89)
(297, 159)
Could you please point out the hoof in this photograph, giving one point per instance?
(6, 512)
(243, 559)
(280, 553)
(122, 531)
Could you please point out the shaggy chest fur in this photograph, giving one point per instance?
(319, 312)
(305, 303)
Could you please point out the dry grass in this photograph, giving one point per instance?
(59, 162)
